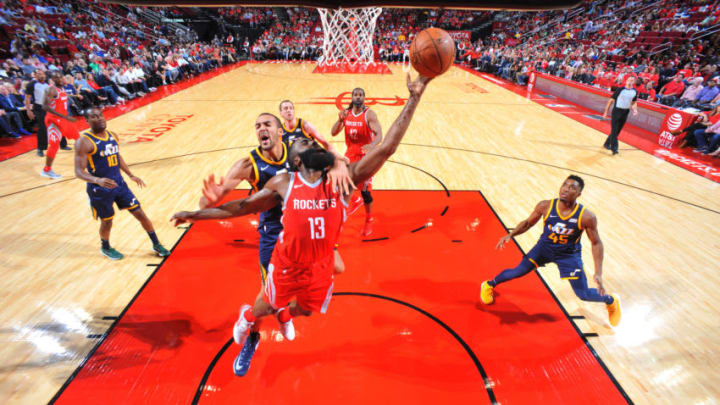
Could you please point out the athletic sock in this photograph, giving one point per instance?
(249, 316)
(284, 315)
(105, 244)
(153, 238)
(47, 169)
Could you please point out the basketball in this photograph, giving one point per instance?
(432, 52)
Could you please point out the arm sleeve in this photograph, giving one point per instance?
(616, 94)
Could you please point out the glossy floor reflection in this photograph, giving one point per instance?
(404, 325)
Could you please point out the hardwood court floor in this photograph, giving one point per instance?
(659, 223)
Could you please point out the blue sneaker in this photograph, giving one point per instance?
(242, 361)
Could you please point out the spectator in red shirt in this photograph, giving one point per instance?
(671, 91)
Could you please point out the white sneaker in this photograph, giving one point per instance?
(241, 330)
(287, 329)
(50, 174)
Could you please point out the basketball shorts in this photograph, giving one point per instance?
(102, 200)
(269, 233)
(355, 156)
(311, 285)
(569, 263)
(57, 128)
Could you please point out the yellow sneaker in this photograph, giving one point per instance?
(614, 311)
(486, 293)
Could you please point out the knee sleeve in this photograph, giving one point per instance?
(366, 196)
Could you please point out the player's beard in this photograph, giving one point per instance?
(314, 159)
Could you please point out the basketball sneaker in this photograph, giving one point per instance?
(50, 174)
(160, 250)
(354, 205)
(241, 365)
(242, 326)
(111, 254)
(286, 328)
(614, 311)
(486, 293)
(367, 229)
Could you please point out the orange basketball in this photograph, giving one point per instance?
(432, 52)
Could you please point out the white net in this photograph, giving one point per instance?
(348, 35)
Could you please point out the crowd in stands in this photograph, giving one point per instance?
(669, 46)
(104, 53)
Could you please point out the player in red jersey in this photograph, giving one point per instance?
(56, 121)
(362, 134)
(313, 213)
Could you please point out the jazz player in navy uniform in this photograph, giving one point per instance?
(264, 162)
(564, 221)
(98, 147)
(296, 128)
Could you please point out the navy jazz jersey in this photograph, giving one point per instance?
(103, 161)
(292, 134)
(562, 234)
(264, 169)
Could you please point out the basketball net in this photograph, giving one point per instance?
(348, 36)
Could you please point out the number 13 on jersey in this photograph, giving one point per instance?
(317, 228)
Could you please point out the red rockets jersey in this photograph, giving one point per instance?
(357, 131)
(312, 220)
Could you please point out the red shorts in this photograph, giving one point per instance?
(354, 156)
(57, 128)
(312, 285)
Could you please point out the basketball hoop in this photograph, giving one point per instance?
(348, 36)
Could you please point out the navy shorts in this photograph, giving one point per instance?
(102, 200)
(269, 233)
(569, 263)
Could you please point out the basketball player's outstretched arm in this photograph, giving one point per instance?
(265, 199)
(540, 209)
(84, 147)
(373, 161)
(375, 127)
(214, 192)
(589, 223)
(50, 95)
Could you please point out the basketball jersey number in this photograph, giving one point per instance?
(353, 133)
(317, 228)
(112, 160)
(561, 239)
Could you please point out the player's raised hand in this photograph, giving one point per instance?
(417, 86)
(138, 180)
(213, 191)
(501, 243)
(600, 286)
(339, 177)
(181, 217)
(341, 115)
(105, 182)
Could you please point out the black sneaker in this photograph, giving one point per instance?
(65, 148)
(40, 153)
